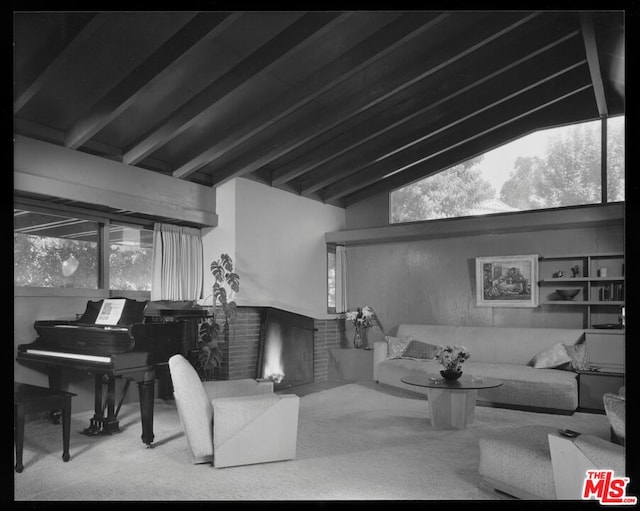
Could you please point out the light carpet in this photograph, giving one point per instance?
(355, 442)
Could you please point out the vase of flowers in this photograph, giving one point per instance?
(452, 358)
(362, 319)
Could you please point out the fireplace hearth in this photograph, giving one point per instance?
(286, 349)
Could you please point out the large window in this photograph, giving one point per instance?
(57, 251)
(546, 169)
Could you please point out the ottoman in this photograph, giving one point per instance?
(517, 461)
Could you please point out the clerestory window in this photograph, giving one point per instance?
(550, 168)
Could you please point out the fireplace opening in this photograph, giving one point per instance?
(285, 355)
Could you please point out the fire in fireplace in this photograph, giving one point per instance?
(286, 349)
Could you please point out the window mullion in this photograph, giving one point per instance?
(603, 158)
(103, 255)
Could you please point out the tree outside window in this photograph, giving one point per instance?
(563, 169)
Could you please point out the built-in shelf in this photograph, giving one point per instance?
(600, 293)
(582, 302)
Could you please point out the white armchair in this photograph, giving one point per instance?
(614, 407)
(572, 457)
(233, 422)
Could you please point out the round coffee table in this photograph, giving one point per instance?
(451, 402)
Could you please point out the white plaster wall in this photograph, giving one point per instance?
(280, 248)
(222, 238)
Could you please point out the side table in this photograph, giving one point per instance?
(592, 385)
(32, 399)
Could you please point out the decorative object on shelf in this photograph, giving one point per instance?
(452, 358)
(362, 318)
(575, 271)
(210, 338)
(602, 272)
(506, 281)
(567, 294)
(558, 274)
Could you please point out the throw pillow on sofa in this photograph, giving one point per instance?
(578, 354)
(418, 350)
(551, 358)
(397, 345)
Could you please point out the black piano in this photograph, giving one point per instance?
(136, 348)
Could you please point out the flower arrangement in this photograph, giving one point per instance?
(362, 318)
(452, 357)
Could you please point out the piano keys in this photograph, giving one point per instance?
(137, 348)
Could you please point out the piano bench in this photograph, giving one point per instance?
(32, 399)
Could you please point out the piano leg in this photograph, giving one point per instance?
(95, 422)
(99, 424)
(146, 389)
(110, 423)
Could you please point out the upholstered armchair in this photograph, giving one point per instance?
(572, 457)
(233, 422)
(614, 407)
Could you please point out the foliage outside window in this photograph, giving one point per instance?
(55, 251)
(546, 169)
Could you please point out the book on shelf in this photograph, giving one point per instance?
(613, 292)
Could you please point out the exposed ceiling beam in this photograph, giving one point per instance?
(364, 54)
(591, 50)
(568, 108)
(58, 59)
(499, 107)
(301, 33)
(329, 171)
(118, 99)
(55, 136)
(307, 130)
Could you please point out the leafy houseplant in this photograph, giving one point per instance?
(210, 337)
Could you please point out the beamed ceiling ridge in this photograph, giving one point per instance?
(333, 106)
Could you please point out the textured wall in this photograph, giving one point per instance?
(433, 281)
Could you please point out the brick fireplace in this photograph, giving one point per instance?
(241, 356)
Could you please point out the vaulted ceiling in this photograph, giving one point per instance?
(334, 106)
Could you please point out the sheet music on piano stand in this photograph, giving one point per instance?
(111, 311)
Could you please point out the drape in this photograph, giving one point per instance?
(177, 263)
(341, 278)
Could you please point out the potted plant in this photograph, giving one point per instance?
(211, 338)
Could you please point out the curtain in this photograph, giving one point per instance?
(177, 263)
(341, 278)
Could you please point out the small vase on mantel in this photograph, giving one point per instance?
(449, 374)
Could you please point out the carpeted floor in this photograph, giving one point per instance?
(355, 442)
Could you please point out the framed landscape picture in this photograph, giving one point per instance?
(507, 281)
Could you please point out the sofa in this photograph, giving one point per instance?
(536, 365)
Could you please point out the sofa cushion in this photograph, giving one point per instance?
(418, 350)
(397, 345)
(578, 354)
(507, 345)
(553, 357)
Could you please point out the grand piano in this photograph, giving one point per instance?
(136, 347)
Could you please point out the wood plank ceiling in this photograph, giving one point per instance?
(334, 106)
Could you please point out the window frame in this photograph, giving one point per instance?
(104, 221)
(331, 249)
(603, 175)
